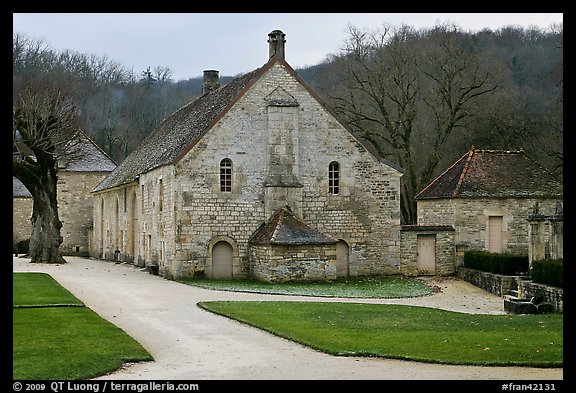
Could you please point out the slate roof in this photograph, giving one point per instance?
(494, 173)
(19, 190)
(177, 133)
(284, 228)
(85, 156)
(91, 158)
(180, 131)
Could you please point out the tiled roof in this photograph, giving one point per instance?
(494, 173)
(177, 133)
(285, 228)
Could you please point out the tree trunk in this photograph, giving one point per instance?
(45, 239)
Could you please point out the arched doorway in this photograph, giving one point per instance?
(342, 258)
(222, 260)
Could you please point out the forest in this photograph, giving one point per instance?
(421, 97)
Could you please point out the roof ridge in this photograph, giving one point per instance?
(280, 221)
(464, 170)
(440, 175)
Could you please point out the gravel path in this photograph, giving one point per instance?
(189, 343)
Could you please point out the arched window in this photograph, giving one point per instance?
(226, 175)
(334, 178)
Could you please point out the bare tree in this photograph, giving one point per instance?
(379, 91)
(456, 80)
(43, 133)
(406, 92)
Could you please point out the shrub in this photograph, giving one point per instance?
(507, 264)
(548, 271)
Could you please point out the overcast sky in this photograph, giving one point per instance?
(232, 43)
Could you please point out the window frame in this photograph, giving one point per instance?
(334, 178)
(226, 167)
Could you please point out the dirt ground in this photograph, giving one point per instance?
(189, 343)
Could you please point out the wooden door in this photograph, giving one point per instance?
(426, 254)
(495, 234)
(222, 261)
(342, 258)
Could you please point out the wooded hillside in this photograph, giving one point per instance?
(421, 97)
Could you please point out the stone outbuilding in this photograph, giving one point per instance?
(288, 249)
(77, 178)
(487, 197)
(200, 193)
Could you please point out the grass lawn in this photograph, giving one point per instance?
(349, 287)
(407, 332)
(40, 289)
(55, 337)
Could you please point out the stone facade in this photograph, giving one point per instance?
(280, 140)
(470, 217)
(444, 249)
(21, 214)
(75, 209)
(281, 263)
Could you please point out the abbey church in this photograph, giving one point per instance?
(254, 179)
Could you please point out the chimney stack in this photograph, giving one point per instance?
(211, 81)
(276, 43)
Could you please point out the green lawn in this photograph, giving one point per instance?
(52, 341)
(349, 287)
(407, 332)
(40, 289)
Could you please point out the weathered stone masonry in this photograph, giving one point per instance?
(279, 140)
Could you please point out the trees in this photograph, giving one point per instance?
(42, 133)
(406, 92)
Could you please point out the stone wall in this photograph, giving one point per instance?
(553, 295)
(75, 209)
(494, 283)
(293, 263)
(501, 285)
(469, 216)
(21, 214)
(445, 263)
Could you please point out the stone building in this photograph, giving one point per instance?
(21, 212)
(77, 178)
(245, 177)
(487, 197)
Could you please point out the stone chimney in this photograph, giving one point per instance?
(211, 81)
(276, 44)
